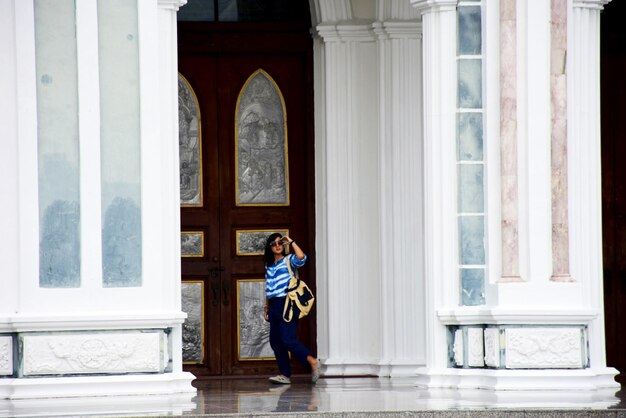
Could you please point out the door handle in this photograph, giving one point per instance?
(226, 291)
(215, 289)
(214, 273)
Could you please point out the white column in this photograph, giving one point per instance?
(401, 195)
(584, 172)
(169, 186)
(347, 199)
(321, 217)
(109, 333)
(440, 198)
(519, 315)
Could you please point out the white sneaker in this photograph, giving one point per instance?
(280, 380)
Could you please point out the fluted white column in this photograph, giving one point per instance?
(401, 194)
(321, 181)
(349, 319)
(440, 199)
(584, 175)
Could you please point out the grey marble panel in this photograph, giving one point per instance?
(471, 188)
(472, 239)
(193, 335)
(262, 172)
(254, 331)
(470, 136)
(469, 30)
(472, 287)
(189, 145)
(470, 84)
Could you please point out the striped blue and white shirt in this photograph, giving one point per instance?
(277, 275)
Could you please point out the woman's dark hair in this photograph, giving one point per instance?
(269, 255)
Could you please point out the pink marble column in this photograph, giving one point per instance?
(558, 95)
(508, 141)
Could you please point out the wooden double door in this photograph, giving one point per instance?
(253, 132)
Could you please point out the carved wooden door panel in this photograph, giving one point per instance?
(256, 145)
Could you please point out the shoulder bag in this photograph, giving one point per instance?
(298, 294)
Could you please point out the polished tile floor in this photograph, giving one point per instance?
(332, 397)
(378, 394)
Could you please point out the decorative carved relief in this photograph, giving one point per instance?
(94, 353)
(6, 355)
(261, 143)
(192, 244)
(189, 145)
(492, 347)
(252, 242)
(537, 348)
(458, 347)
(475, 349)
(253, 333)
(192, 296)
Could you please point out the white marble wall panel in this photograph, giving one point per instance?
(6, 355)
(544, 348)
(492, 347)
(475, 347)
(94, 353)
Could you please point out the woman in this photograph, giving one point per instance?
(283, 338)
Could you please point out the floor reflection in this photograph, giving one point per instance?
(331, 396)
(380, 394)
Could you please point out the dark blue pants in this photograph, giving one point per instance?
(283, 337)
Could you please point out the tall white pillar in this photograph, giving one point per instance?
(537, 334)
(92, 340)
(167, 79)
(440, 200)
(584, 173)
(401, 193)
(347, 197)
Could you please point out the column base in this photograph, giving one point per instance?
(600, 379)
(92, 386)
(372, 367)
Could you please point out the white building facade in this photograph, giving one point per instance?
(457, 195)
